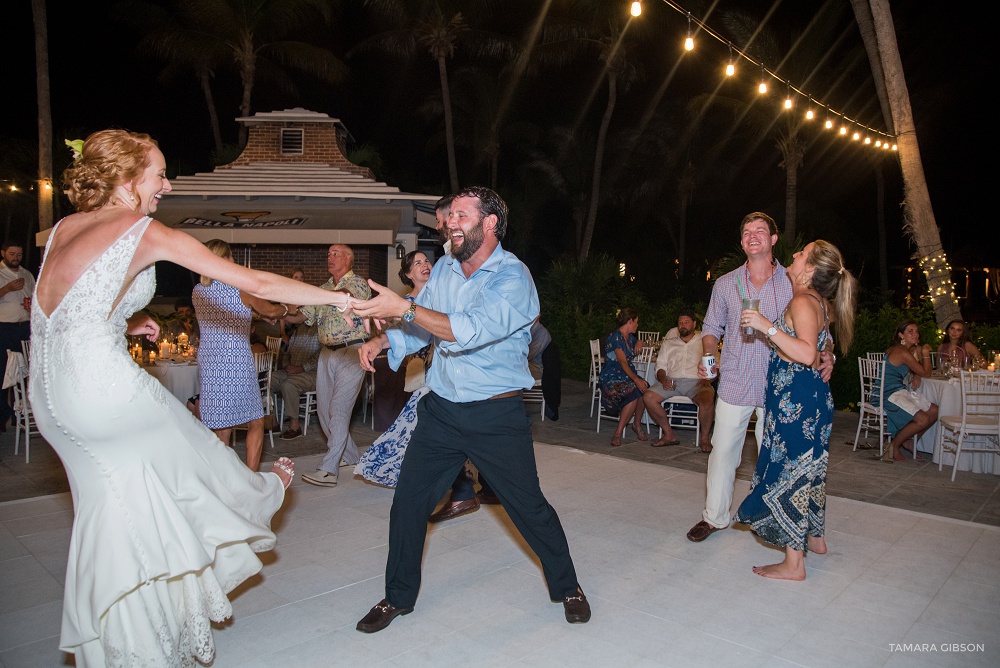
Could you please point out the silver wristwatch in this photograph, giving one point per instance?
(410, 313)
(771, 331)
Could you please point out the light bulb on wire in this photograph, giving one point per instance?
(636, 8)
(809, 112)
(730, 68)
(762, 88)
(689, 40)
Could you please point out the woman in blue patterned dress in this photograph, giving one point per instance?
(229, 391)
(380, 463)
(621, 386)
(787, 501)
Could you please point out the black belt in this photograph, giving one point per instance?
(338, 346)
(507, 395)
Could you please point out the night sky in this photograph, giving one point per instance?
(98, 81)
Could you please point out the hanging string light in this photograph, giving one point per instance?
(847, 126)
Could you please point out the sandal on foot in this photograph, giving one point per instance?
(287, 466)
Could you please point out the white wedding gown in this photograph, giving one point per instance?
(167, 518)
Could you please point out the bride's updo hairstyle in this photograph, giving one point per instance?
(109, 159)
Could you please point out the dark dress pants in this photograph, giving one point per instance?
(495, 435)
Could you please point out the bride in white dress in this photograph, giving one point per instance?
(167, 518)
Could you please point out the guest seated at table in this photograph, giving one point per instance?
(621, 386)
(957, 345)
(183, 320)
(297, 375)
(908, 414)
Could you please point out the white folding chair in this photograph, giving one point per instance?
(24, 418)
(26, 351)
(273, 344)
(264, 363)
(979, 422)
(875, 356)
(649, 338)
(596, 362)
(682, 413)
(534, 396)
(307, 407)
(872, 402)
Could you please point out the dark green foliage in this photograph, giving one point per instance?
(580, 300)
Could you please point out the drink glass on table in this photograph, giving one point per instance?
(753, 304)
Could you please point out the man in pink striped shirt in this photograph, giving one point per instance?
(743, 366)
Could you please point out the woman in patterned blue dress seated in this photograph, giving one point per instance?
(621, 386)
(787, 501)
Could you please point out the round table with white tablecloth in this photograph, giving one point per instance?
(947, 394)
(180, 378)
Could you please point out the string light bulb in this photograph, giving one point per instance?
(878, 143)
(788, 95)
(856, 136)
(636, 8)
(843, 129)
(689, 40)
(762, 88)
(828, 124)
(810, 114)
(868, 140)
(731, 67)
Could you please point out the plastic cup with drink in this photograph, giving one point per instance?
(754, 305)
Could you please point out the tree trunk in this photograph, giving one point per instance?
(863, 15)
(248, 72)
(792, 152)
(449, 129)
(595, 186)
(204, 78)
(45, 188)
(918, 215)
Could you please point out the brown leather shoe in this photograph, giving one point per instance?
(455, 509)
(701, 531)
(577, 608)
(381, 616)
(291, 434)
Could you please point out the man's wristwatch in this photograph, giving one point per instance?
(410, 313)
(771, 331)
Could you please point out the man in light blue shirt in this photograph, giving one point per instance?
(477, 309)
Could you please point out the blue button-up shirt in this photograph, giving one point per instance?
(490, 313)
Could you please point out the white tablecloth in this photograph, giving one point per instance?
(947, 394)
(181, 380)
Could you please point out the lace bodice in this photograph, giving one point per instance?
(86, 329)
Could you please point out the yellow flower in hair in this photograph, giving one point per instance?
(75, 145)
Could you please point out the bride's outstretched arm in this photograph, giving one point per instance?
(163, 243)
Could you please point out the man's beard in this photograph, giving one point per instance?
(683, 332)
(472, 242)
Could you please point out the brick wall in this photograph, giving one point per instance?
(321, 143)
(369, 261)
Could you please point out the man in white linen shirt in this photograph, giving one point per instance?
(677, 375)
(16, 287)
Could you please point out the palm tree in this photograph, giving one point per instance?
(438, 27)
(875, 20)
(45, 186)
(252, 36)
(600, 31)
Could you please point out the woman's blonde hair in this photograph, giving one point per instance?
(110, 158)
(220, 248)
(832, 281)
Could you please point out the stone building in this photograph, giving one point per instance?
(291, 193)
